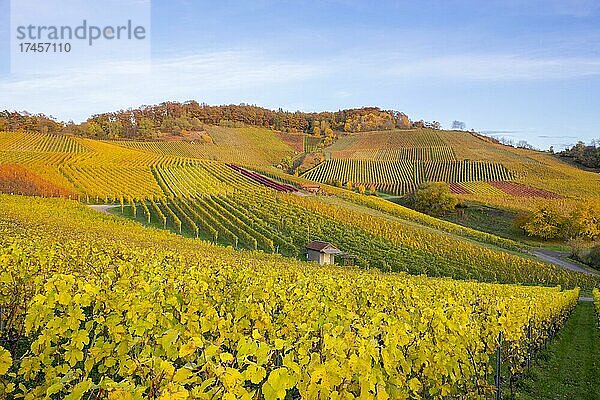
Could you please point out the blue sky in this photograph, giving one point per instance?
(527, 69)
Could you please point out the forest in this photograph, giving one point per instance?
(172, 118)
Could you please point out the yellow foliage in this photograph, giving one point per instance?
(148, 294)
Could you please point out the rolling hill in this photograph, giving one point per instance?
(197, 285)
(477, 168)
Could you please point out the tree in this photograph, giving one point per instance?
(435, 198)
(584, 221)
(587, 156)
(316, 131)
(545, 222)
(433, 125)
(594, 257)
(522, 144)
(93, 129)
(115, 129)
(169, 127)
(146, 128)
(458, 125)
(548, 222)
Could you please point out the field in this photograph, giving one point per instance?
(209, 200)
(212, 299)
(259, 146)
(396, 162)
(401, 177)
(102, 307)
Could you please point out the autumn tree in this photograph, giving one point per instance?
(584, 221)
(435, 198)
(146, 129)
(547, 222)
(114, 129)
(584, 155)
(92, 129)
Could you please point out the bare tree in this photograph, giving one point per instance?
(459, 125)
(523, 144)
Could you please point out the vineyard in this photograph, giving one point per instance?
(524, 178)
(97, 307)
(37, 142)
(258, 218)
(400, 177)
(411, 145)
(248, 145)
(510, 188)
(310, 143)
(106, 171)
(16, 179)
(397, 162)
(233, 206)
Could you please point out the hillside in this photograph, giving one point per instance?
(208, 199)
(478, 168)
(197, 286)
(97, 293)
(247, 145)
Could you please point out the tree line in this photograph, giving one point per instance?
(173, 118)
(584, 155)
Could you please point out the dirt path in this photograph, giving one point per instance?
(560, 259)
(103, 208)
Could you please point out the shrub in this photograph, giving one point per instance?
(435, 198)
(594, 257)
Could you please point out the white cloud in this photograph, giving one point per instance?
(109, 86)
(236, 76)
(496, 67)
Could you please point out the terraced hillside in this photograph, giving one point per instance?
(398, 145)
(476, 167)
(248, 145)
(98, 306)
(212, 201)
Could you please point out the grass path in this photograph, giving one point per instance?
(570, 367)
